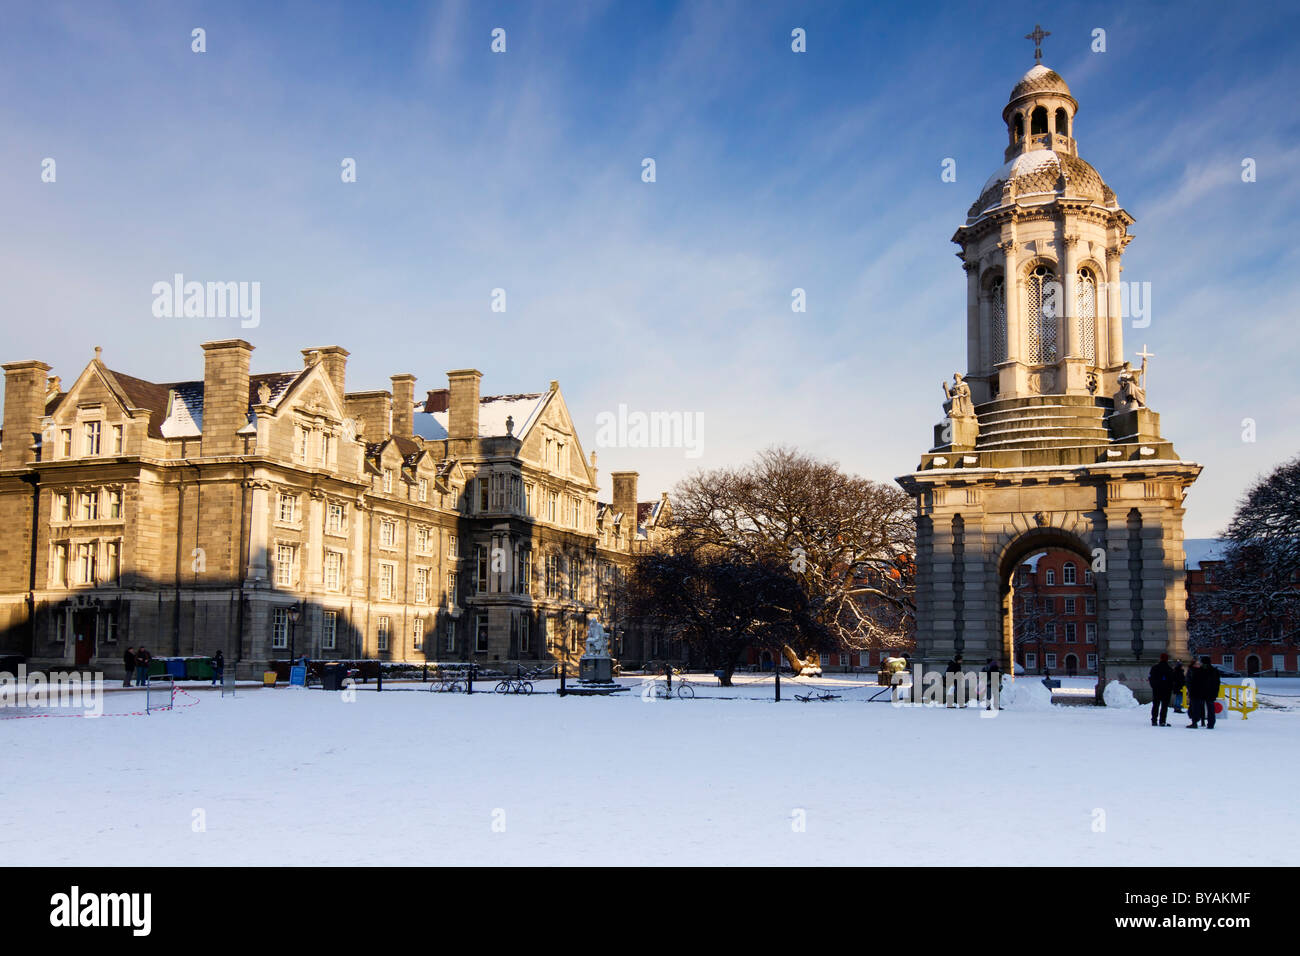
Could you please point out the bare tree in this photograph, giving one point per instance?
(1255, 596)
(850, 541)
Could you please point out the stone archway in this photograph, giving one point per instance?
(1035, 541)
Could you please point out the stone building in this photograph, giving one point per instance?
(275, 514)
(1048, 441)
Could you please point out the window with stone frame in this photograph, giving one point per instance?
(119, 440)
(422, 487)
(91, 432)
(329, 637)
(384, 629)
(453, 584)
(87, 562)
(422, 585)
(285, 556)
(525, 634)
(114, 503)
(387, 575)
(449, 636)
(280, 628)
(287, 508)
(335, 517)
(89, 510)
(65, 443)
(423, 539)
(481, 634)
(62, 508)
(333, 570)
(112, 562)
(387, 533)
(388, 481)
(417, 633)
(481, 569)
(59, 570)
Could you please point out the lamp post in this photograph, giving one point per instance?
(295, 612)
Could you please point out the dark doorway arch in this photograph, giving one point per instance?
(1252, 665)
(1049, 627)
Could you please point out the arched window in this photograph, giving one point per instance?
(1085, 308)
(1043, 294)
(1067, 572)
(1062, 121)
(998, 311)
(1038, 120)
(1018, 127)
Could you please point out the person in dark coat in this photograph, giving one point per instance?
(128, 663)
(142, 659)
(1180, 681)
(949, 681)
(1202, 692)
(218, 666)
(994, 671)
(1161, 680)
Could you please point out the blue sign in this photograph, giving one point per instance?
(298, 676)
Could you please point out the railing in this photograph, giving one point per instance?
(1242, 698)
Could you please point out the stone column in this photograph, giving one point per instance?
(974, 330)
(1069, 309)
(357, 522)
(259, 519)
(1114, 321)
(314, 578)
(1015, 321)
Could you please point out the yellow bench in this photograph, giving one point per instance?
(1242, 698)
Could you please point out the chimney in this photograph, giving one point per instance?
(438, 401)
(225, 396)
(462, 420)
(25, 389)
(335, 359)
(625, 494)
(403, 404)
(375, 410)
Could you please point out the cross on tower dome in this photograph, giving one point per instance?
(1038, 36)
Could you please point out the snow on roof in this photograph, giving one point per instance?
(183, 417)
(1203, 549)
(1026, 164)
(493, 410)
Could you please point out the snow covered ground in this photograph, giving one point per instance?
(408, 777)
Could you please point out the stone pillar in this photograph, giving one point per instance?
(1069, 309)
(259, 522)
(974, 331)
(1015, 320)
(1114, 321)
(358, 519)
(314, 577)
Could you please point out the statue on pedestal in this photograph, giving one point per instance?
(597, 640)
(959, 397)
(1132, 392)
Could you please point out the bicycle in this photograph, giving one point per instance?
(446, 685)
(514, 685)
(682, 691)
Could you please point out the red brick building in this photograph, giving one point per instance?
(1054, 614)
(1265, 657)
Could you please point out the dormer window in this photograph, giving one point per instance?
(92, 434)
(65, 443)
(388, 481)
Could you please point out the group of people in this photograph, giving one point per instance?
(994, 680)
(137, 661)
(1202, 683)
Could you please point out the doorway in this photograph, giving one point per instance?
(83, 636)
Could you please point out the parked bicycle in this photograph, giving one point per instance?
(680, 688)
(515, 685)
(446, 685)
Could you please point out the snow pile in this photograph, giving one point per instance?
(1028, 694)
(1117, 695)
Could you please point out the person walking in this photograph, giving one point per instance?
(1176, 692)
(1210, 692)
(128, 665)
(142, 659)
(1161, 680)
(218, 667)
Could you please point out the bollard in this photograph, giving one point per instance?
(469, 677)
(777, 662)
(379, 681)
(563, 671)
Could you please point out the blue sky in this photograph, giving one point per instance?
(522, 171)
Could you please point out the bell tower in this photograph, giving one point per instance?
(1047, 440)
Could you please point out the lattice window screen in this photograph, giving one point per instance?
(998, 292)
(1043, 310)
(1086, 310)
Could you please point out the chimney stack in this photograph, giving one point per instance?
(25, 389)
(462, 418)
(225, 396)
(403, 404)
(335, 359)
(438, 400)
(625, 494)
